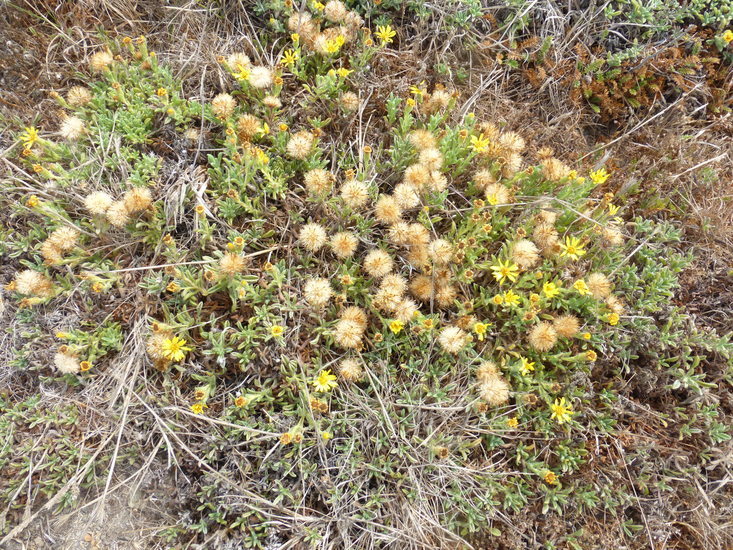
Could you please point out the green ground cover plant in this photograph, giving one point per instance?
(365, 320)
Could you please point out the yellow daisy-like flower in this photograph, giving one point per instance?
(333, 46)
(504, 270)
(175, 348)
(325, 381)
(572, 248)
(512, 422)
(581, 287)
(550, 289)
(511, 299)
(396, 326)
(343, 72)
(418, 90)
(385, 34)
(85, 365)
(290, 57)
(198, 408)
(479, 143)
(599, 176)
(612, 209)
(526, 366)
(591, 355)
(319, 6)
(498, 299)
(295, 37)
(728, 36)
(586, 336)
(29, 137)
(241, 74)
(326, 435)
(480, 330)
(613, 319)
(277, 330)
(562, 411)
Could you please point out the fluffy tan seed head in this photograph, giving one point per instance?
(350, 101)
(313, 237)
(421, 287)
(566, 326)
(248, 126)
(487, 369)
(223, 105)
(300, 145)
(347, 334)
(355, 314)
(497, 193)
(260, 77)
(32, 283)
(494, 390)
(405, 310)
(238, 61)
(272, 102)
(117, 214)
(554, 169)
(525, 254)
(350, 370)
(394, 283)
(484, 178)
(378, 263)
(344, 244)
(599, 285)
(100, 61)
(317, 181)
(355, 194)
(64, 238)
(452, 339)
(406, 195)
(137, 199)
(445, 295)
(543, 337)
(387, 211)
(231, 264)
(440, 251)
(72, 128)
(98, 202)
(432, 159)
(66, 363)
(78, 96)
(335, 11)
(422, 139)
(317, 292)
(417, 175)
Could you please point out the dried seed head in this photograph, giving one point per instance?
(484, 178)
(344, 244)
(300, 145)
(453, 339)
(248, 126)
(543, 337)
(494, 391)
(66, 363)
(446, 295)
(354, 193)
(378, 263)
(348, 334)
(350, 101)
(432, 159)
(317, 181)
(117, 214)
(566, 326)
(98, 202)
(72, 128)
(317, 292)
(417, 175)
(350, 370)
(137, 199)
(422, 139)
(313, 237)
(599, 285)
(78, 96)
(440, 251)
(406, 195)
(487, 369)
(335, 11)
(525, 254)
(554, 169)
(355, 314)
(231, 264)
(387, 211)
(100, 61)
(32, 283)
(260, 77)
(223, 105)
(405, 310)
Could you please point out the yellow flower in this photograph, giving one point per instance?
(161, 92)
(240, 401)
(198, 408)
(572, 248)
(480, 330)
(498, 299)
(550, 477)
(396, 326)
(599, 176)
(62, 335)
(512, 422)
(173, 287)
(586, 336)
(290, 57)
(32, 201)
(277, 330)
(30, 137)
(326, 435)
(334, 45)
(175, 348)
(385, 34)
(428, 323)
(550, 290)
(241, 74)
(504, 270)
(418, 90)
(591, 355)
(562, 411)
(410, 102)
(325, 381)
(613, 319)
(728, 36)
(479, 143)
(343, 72)
(318, 5)
(511, 299)
(295, 37)
(526, 366)
(581, 287)
(85, 366)
(612, 209)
